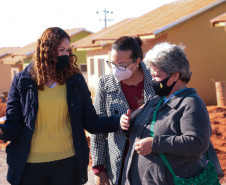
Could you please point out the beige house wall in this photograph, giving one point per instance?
(94, 74)
(206, 51)
(7, 72)
(5, 80)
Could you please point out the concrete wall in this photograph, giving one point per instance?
(5, 79)
(96, 55)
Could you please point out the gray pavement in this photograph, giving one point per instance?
(4, 167)
(3, 172)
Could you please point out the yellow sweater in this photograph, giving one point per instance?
(52, 139)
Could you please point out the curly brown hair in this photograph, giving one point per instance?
(46, 55)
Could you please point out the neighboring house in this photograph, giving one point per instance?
(20, 58)
(75, 35)
(186, 22)
(219, 21)
(6, 70)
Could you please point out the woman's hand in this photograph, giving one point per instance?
(1, 132)
(137, 111)
(143, 146)
(101, 179)
(125, 120)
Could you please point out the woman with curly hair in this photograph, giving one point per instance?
(48, 108)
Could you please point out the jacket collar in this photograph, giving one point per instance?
(74, 80)
(176, 99)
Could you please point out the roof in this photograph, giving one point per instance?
(29, 49)
(4, 51)
(26, 50)
(72, 32)
(12, 60)
(219, 20)
(87, 42)
(155, 22)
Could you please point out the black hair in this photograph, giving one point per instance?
(126, 43)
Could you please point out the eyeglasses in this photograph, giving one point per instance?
(119, 66)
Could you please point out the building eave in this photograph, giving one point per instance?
(11, 62)
(219, 24)
(186, 18)
(104, 42)
(87, 48)
(145, 37)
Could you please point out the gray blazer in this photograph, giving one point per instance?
(182, 131)
(108, 149)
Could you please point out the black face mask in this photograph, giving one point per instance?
(161, 87)
(62, 62)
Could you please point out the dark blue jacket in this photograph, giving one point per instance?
(21, 113)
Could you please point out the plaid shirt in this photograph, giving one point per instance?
(108, 149)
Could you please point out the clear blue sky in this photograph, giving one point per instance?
(23, 21)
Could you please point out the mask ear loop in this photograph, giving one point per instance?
(179, 78)
(132, 65)
(134, 69)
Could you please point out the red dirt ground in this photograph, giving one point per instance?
(218, 138)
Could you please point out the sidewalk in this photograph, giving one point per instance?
(4, 167)
(3, 171)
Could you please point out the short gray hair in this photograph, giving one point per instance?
(169, 58)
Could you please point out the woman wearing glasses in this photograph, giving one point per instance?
(128, 86)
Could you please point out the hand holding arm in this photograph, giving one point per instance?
(137, 111)
(125, 118)
(144, 146)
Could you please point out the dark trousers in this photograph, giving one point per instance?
(61, 172)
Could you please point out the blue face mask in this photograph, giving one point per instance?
(62, 62)
(161, 87)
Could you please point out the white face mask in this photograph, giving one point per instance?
(122, 75)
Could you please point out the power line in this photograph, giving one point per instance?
(105, 16)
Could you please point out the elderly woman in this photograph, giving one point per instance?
(180, 128)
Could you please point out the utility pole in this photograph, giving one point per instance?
(105, 17)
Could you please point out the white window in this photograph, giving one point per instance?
(91, 66)
(83, 68)
(14, 71)
(101, 68)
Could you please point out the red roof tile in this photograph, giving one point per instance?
(72, 32)
(87, 41)
(30, 48)
(26, 50)
(159, 18)
(7, 50)
(156, 21)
